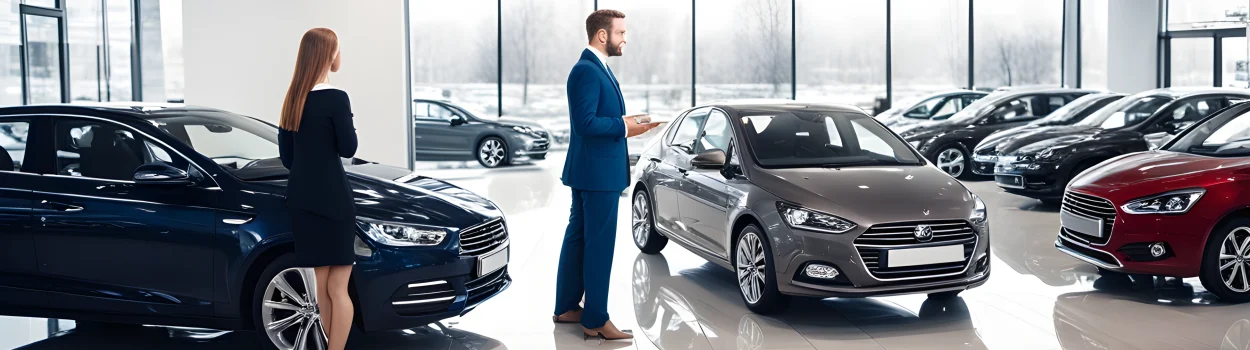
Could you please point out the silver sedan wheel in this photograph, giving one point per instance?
(289, 311)
(1235, 259)
(750, 262)
(951, 160)
(642, 219)
(491, 152)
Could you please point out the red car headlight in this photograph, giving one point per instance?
(1175, 202)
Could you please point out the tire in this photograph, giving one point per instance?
(306, 317)
(1235, 288)
(646, 237)
(947, 295)
(492, 152)
(957, 163)
(763, 299)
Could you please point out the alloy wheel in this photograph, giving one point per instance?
(750, 263)
(1235, 260)
(642, 282)
(951, 160)
(289, 311)
(491, 152)
(642, 219)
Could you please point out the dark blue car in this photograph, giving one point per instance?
(175, 215)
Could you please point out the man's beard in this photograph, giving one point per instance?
(614, 50)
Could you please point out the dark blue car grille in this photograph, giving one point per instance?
(482, 288)
(483, 238)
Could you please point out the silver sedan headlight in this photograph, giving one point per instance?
(811, 220)
(1175, 202)
(402, 235)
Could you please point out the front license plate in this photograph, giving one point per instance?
(985, 158)
(1011, 181)
(924, 256)
(1081, 224)
(493, 262)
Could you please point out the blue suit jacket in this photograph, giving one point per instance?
(598, 159)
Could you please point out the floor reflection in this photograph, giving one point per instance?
(1149, 320)
(434, 336)
(699, 308)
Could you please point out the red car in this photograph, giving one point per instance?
(1180, 211)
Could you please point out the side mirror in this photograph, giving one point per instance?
(458, 120)
(161, 174)
(713, 159)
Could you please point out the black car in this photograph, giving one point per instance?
(177, 216)
(1039, 165)
(949, 143)
(984, 156)
(939, 106)
(444, 131)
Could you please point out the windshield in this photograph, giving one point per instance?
(1223, 136)
(1126, 112)
(975, 108)
(815, 138)
(234, 142)
(1077, 110)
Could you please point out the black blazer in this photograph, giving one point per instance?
(313, 154)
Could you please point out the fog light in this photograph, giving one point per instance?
(1157, 250)
(821, 271)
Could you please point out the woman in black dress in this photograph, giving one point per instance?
(316, 130)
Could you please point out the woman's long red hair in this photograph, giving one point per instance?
(316, 54)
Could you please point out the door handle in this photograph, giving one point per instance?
(684, 172)
(61, 206)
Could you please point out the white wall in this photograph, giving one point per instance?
(240, 55)
(1132, 44)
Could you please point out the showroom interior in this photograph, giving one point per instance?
(1058, 174)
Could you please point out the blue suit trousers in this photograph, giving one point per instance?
(586, 255)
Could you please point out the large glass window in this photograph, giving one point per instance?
(743, 49)
(160, 35)
(1018, 42)
(1193, 61)
(1233, 65)
(43, 59)
(541, 42)
(841, 60)
(930, 46)
(86, 49)
(10, 54)
(654, 71)
(1202, 14)
(1094, 44)
(455, 51)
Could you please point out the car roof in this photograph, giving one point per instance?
(143, 110)
(779, 106)
(1182, 92)
(1042, 90)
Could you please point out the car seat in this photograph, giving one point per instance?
(6, 161)
(111, 155)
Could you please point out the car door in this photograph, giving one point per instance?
(673, 168)
(19, 283)
(107, 244)
(705, 204)
(1181, 115)
(441, 133)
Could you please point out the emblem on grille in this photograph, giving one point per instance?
(923, 233)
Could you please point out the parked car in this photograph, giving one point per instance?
(445, 131)
(1041, 164)
(985, 155)
(937, 106)
(808, 199)
(176, 215)
(1179, 211)
(949, 143)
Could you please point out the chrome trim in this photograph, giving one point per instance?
(976, 244)
(1114, 215)
(1086, 258)
(426, 301)
(236, 221)
(88, 178)
(426, 284)
(18, 173)
(685, 242)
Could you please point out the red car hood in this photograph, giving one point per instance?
(1156, 171)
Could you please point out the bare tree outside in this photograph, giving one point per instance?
(1018, 42)
(768, 27)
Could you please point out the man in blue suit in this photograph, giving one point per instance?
(597, 170)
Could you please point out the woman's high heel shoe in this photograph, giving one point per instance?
(607, 332)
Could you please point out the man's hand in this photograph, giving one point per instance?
(633, 128)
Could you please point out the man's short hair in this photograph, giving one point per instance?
(601, 19)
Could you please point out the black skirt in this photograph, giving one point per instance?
(322, 241)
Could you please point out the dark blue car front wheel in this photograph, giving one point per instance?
(284, 307)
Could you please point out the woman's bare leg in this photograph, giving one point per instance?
(342, 304)
(324, 302)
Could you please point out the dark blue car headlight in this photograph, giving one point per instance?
(1175, 202)
(811, 220)
(402, 235)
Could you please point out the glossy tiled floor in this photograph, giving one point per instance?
(1037, 298)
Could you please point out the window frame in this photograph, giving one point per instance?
(52, 171)
(703, 131)
(31, 129)
(668, 139)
